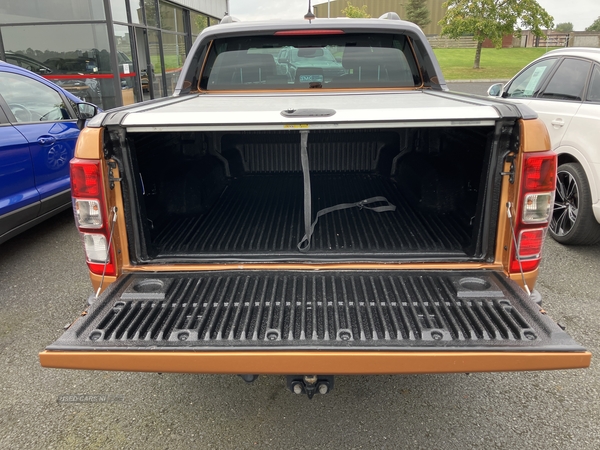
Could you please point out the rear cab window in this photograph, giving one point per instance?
(298, 61)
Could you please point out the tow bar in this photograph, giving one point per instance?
(309, 384)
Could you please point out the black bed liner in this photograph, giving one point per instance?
(299, 310)
(261, 215)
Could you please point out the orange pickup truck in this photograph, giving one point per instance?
(362, 220)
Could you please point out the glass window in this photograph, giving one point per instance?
(155, 77)
(151, 16)
(593, 94)
(568, 81)
(212, 21)
(171, 17)
(119, 10)
(528, 82)
(135, 8)
(174, 54)
(198, 22)
(27, 63)
(19, 11)
(78, 50)
(31, 101)
(304, 62)
(130, 91)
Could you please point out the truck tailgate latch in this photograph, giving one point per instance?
(111, 177)
(510, 158)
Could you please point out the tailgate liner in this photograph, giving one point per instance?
(262, 215)
(325, 310)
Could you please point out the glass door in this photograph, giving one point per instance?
(129, 68)
(148, 84)
(155, 64)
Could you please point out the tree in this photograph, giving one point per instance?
(355, 12)
(493, 19)
(565, 27)
(201, 23)
(595, 26)
(417, 12)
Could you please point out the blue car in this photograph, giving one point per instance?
(39, 125)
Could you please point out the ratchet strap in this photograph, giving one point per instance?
(304, 244)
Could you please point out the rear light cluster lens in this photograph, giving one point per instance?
(530, 242)
(540, 171)
(87, 213)
(96, 247)
(89, 208)
(85, 178)
(535, 207)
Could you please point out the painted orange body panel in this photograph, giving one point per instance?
(89, 144)
(306, 362)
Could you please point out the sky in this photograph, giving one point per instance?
(581, 13)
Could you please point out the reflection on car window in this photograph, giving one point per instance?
(593, 94)
(304, 62)
(568, 81)
(527, 84)
(27, 63)
(31, 101)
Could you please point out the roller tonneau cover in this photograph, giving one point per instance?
(349, 218)
(255, 109)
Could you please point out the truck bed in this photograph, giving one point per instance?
(263, 215)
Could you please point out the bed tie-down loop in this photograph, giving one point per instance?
(309, 228)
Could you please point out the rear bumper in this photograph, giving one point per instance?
(314, 362)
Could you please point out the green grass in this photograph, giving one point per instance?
(171, 62)
(457, 63)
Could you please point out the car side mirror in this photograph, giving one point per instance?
(85, 111)
(495, 90)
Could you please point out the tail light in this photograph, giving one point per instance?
(538, 181)
(91, 218)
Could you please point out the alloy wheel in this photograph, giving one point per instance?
(566, 204)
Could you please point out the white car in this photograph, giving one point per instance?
(563, 87)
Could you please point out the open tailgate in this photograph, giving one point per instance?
(324, 322)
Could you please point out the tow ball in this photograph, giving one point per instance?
(310, 384)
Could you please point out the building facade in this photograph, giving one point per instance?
(376, 8)
(108, 52)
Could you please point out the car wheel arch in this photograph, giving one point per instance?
(572, 155)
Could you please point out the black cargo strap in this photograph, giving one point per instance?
(304, 244)
(307, 192)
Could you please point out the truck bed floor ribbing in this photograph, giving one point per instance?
(262, 214)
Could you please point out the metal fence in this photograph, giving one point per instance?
(444, 42)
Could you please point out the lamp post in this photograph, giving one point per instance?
(309, 15)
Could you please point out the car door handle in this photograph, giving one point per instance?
(46, 140)
(557, 123)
